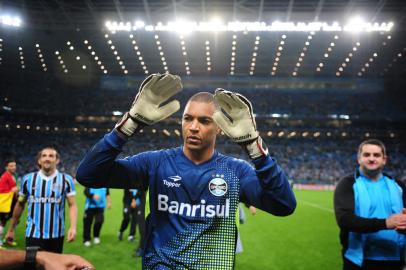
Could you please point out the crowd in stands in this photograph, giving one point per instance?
(48, 102)
(52, 98)
(304, 160)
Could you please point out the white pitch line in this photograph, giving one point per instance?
(316, 206)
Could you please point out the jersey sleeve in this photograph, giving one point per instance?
(69, 186)
(266, 187)
(101, 168)
(24, 187)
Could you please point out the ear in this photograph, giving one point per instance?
(358, 158)
(385, 159)
(218, 131)
(57, 161)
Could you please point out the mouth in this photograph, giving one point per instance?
(193, 139)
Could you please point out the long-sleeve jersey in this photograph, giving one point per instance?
(192, 221)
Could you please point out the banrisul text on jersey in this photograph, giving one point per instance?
(193, 210)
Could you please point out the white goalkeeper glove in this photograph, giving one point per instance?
(236, 120)
(146, 110)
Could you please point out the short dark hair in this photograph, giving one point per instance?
(373, 142)
(47, 147)
(202, 97)
(8, 160)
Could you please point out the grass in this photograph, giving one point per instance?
(306, 240)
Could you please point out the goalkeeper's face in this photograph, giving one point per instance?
(198, 127)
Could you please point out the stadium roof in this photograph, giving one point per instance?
(72, 38)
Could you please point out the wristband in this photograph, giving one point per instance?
(256, 148)
(30, 258)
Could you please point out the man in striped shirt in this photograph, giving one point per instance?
(45, 191)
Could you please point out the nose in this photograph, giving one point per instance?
(194, 125)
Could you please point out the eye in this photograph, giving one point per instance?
(205, 121)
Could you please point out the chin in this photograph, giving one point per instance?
(193, 147)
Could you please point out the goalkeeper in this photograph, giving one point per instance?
(194, 190)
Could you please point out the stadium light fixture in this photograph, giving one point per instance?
(115, 52)
(63, 66)
(208, 59)
(1, 49)
(8, 20)
(41, 58)
(21, 53)
(184, 53)
(233, 55)
(278, 55)
(161, 53)
(356, 24)
(254, 54)
(93, 53)
(138, 53)
(302, 54)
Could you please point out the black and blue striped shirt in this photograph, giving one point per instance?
(46, 203)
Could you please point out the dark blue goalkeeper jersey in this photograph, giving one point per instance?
(192, 221)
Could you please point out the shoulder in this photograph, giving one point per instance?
(155, 155)
(67, 177)
(346, 182)
(400, 183)
(4, 175)
(233, 162)
(28, 176)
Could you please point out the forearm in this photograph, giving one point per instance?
(73, 216)
(12, 259)
(17, 212)
(99, 168)
(353, 223)
(270, 191)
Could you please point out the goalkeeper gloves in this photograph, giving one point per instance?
(236, 120)
(146, 110)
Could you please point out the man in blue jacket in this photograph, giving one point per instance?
(194, 190)
(369, 208)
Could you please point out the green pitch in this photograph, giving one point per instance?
(307, 240)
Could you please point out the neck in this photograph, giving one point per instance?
(198, 157)
(48, 172)
(373, 175)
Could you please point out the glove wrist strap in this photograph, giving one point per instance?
(128, 125)
(256, 148)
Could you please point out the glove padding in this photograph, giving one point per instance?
(236, 120)
(146, 110)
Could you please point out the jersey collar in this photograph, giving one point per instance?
(43, 176)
